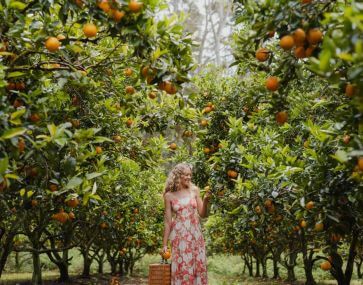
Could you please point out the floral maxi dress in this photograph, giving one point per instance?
(189, 263)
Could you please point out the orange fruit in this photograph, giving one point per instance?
(53, 187)
(34, 203)
(206, 150)
(306, 1)
(34, 118)
(299, 37)
(72, 202)
(315, 36)
(52, 44)
(71, 216)
(104, 6)
(232, 173)
(299, 52)
(136, 211)
(272, 83)
(207, 110)
(268, 203)
(281, 117)
(90, 30)
(169, 87)
(309, 51)
(98, 149)
(346, 139)
(258, 210)
(145, 71)
(287, 42)
(270, 34)
(135, 6)
(350, 90)
(129, 122)
(118, 15)
(18, 103)
(303, 224)
(173, 146)
(20, 86)
(128, 72)
(319, 227)
(335, 238)
(166, 254)
(79, 3)
(204, 123)
(103, 225)
(152, 95)
(360, 163)
(21, 145)
(262, 54)
(309, 205)
(326, 265)
(130, 90)
(117, 138)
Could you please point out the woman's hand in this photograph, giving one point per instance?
(165, 248)
(207, 195)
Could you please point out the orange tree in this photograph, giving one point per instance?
(81, 84)
(288, 136)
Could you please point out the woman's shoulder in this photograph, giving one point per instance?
(168, 196)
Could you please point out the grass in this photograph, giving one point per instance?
(222, 270)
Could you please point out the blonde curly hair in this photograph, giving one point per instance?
(173, 181)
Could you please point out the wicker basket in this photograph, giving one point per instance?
(159, 274)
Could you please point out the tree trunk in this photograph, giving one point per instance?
(308, 267)
(86, 265)
(17, 262)
(257, 268)
(37, 269)
(64, 275)
(276, 269)
(308, 260)
(6, 249)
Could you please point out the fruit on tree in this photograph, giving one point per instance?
(287, 42)
(309, 205)
(272, 83)
(117, 15)
(98, 150)
(135, 6)
(281, 117)
(326, 265)
(73, 202)
(262, 54)
(130, 89)
(314, 36)
(104, 6)
(232, 173)
(152, 95)
(173, 146)
(90, 30)
(52, 44)
(319, 227)
(350, 90)
(360, 163)
(128, 71)
(299, 36)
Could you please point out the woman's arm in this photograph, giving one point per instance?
(167, 220)
(202, 205)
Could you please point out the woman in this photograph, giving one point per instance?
(182, 198)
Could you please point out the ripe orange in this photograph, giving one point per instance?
(53, 187)
(145, 71)
(204, 123)
(309, 51)
(34, 118)
(232, 173)
(72, 202)
(258, 210)
(287, 42)
(268, 203)
(169, 88)
(135, 6)
(118, 15)
(128, 72)
(21, 145)
(71, 216)
(335, 238)
(52, 44)
(166, 254)
(306, 1)
(207, 110)
(18, 103)
(104, 6)
(319, 227)
(360, 163)
(129, 122)
(299, 52)
(272, 83)
(262, 54)
(173, 146)
(90, 30)
(299, 37)
(79, 3)
(350, 90)
(117, 138)
(103, 225)
(152, 95)
(98, 149)
(20, 86)
(346, 139)
(206, 150)
(315, 36)
(303, 224)
(136, 211)
(309, 205)
(325, 265)
(34, 203)
(130, 90)
(281, 117)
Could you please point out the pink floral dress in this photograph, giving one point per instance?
(189, 262)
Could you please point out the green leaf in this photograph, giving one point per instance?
(324, 60)
(74, 182)
(15, 74)
(22, 192)
(29, 194)
(17, 114)
(341, 156)
(8, 134)
(92, 175)
(4, 163)
(52, 129)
